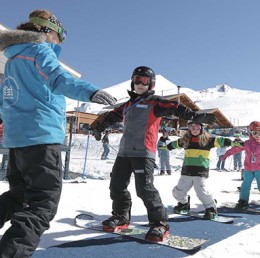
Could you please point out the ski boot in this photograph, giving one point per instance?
(115, 223)
(162, 172)
(158, 231)
(241, 204)
(210, 213)
(169, 172)
(182, 208)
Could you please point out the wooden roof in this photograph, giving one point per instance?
(3, 59)
(221, 120)
(183, 99)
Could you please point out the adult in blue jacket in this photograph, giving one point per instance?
(33, 107)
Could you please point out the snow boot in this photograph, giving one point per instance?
(158, 231)
(162, 172)
(182, 208)
(115, 223)
(210, 213)
(241, 204)
(169, 172)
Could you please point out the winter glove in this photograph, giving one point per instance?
(97, 134)
(235, 143)
(162, 147)
(97, 130)
(169, 146)
(102, 97)
(204, 118)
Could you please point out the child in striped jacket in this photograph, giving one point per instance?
(197, 143)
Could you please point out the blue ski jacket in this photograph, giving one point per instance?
(32, 91)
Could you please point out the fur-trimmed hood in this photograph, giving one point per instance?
(12, 37)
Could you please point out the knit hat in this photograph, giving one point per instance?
(44, 21)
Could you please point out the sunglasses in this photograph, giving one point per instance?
(62, 33)
(137, 79)
(255, 133)
(194, 127)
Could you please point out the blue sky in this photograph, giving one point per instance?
(193, 43)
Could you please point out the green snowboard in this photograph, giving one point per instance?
(220, 218)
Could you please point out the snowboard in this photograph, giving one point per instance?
(252, 191)
(138, 232)
(200, 214)
(230, 206)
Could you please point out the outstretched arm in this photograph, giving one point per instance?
(105, 120)
(174, 145)
(232, 151)
(166, 108)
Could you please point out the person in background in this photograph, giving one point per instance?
(33, 108)
(251, 163)
(106, 148)
(221, 163)
(197, 144)
(141, 115)
(237, 157)
(164, 154)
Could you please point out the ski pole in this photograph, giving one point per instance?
(84, 176)
(112, 148)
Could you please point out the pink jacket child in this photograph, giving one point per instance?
(251, 163)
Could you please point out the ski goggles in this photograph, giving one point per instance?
(255, 133)
(62, 33)
(145, 80)
(194, 126)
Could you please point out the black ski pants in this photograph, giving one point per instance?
(143, 169)
(35, 180)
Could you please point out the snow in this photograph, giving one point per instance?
(91, 195)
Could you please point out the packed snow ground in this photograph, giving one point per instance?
(91, 195)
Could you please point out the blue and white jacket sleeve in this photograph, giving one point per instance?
(59, 81)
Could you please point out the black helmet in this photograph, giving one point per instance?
(144, 71)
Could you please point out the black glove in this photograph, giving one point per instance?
(97, 130)
(169, 146)
(204, 118)
(102, 97)
(97, 134)
(237, 144)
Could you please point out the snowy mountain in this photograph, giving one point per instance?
(239, 106)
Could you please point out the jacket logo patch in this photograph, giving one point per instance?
(141, 106)
(10, 92)
(139, 171)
